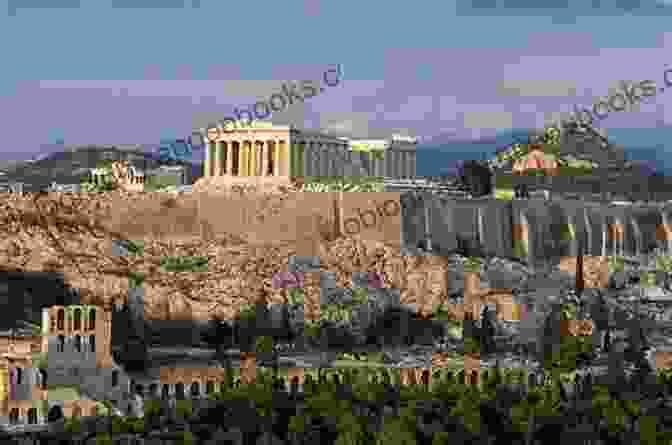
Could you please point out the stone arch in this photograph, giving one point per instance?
(179, 391)
(14, 416)
(60, 319)
(43, 378)
(19, 376)
(55, 413)
(92, 319)
(195, 389)
(295, 382)
(92, 343)
(78, 343)
(32, 416)
(425, 378)
(532, 379)
(153, 390)
(473, 377)
(60, 345)
(165, 392)
(115, 378)
(77, 319)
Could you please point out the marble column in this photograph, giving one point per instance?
(288, 157)
(229, 158)
(253, 158)
(208, 159)
(328, 160)
(219, 153)
(242, 156)
(325, 165)
(264, 158)
(249, 155)
(306, 159)
(276, 155)
(314, 159)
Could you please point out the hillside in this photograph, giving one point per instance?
(72, 235)
(71, 165)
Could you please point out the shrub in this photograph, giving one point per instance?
(185, 264)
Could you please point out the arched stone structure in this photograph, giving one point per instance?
(78, 333)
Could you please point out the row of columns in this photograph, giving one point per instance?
(324, 159)
(270, 158)
(275, 158)
(247, 158)
(399, 164)
(169, 390)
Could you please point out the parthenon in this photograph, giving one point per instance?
(276, 151)
(267, 150)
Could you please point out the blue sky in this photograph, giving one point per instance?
(129, 71)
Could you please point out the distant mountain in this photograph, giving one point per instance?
(70, 165)
(645, 146)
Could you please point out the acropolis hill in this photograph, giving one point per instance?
(72, 234)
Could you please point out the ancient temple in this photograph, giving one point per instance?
(273, 151)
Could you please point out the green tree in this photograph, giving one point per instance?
(104, 439)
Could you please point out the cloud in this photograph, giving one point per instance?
(487, 119)
(563, 10)
(536, 88)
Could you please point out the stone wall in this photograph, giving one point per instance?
(488, 226)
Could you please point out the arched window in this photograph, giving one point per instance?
(14, 416)
(92, 319)
(43, 378)
(78, 343)
(179, 391)
(153, 390)
(60, 320)
(473, 378)
(32, 416)
(60, 346)
(195, 390)
(115, 378)
(19, 375)
(78, 319)
(55, 413)
(425, 377)
(139, 389)
(92, 343)
(165, 392)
